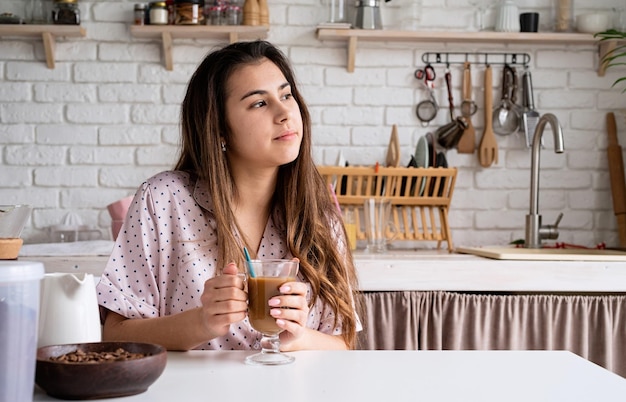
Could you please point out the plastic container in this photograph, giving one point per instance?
(19, 314)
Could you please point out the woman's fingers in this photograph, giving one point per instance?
(224, 300)
(291, 306)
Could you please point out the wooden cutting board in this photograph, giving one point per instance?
(543, 254)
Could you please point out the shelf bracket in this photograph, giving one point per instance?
(604, 49)
(352, 53)
(166, 39)
(49, 46)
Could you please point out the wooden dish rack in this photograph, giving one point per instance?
(420, 198)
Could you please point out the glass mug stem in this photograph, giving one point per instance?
(270, 344)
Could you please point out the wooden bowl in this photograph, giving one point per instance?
(10, 248)
(95, 380)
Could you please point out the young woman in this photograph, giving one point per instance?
(245, 178)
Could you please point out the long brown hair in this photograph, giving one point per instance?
(312, 220)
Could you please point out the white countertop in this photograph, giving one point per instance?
(424, 270)
(480, 376)
(440, 270)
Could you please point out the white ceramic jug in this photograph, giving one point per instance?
(69, 310)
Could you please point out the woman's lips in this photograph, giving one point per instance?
(286, 136)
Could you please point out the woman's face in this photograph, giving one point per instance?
(263, 116)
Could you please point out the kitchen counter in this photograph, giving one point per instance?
(423, 270)
(486, 376)
(439, 270)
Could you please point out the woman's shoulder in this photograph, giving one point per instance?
(171, 179)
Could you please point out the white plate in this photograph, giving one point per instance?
(421, 157)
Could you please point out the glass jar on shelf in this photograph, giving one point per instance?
(158, 13)
(65, 12)
(188, 12)
(234, 15)
(140, 13)
(216, 15)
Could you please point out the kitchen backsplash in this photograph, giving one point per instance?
(86, 133)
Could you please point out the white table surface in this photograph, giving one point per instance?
(425, 270)
(481, 376)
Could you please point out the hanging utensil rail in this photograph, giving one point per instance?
(449, 58)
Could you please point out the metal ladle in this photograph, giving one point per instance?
(506, 116)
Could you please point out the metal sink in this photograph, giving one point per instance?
(543, 254)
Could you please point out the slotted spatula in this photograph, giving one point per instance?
(488, 150)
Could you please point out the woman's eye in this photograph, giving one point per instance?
(258, 104)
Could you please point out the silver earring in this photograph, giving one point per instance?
(223, 146)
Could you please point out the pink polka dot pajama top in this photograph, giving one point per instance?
(167, 249)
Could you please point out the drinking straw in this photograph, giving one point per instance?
(249, 261)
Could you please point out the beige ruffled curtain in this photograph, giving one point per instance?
(591, 326)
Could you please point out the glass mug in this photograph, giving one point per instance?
(264, 278)
(377, 213)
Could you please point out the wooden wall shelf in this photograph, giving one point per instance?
(353, 36)
(48, 33)
(166, 33)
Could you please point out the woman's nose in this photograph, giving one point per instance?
(283, 112)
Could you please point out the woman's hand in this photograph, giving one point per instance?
(224, 301)
(291, 311)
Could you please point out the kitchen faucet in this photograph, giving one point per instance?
(535, 232)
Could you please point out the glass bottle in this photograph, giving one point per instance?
(140, 14)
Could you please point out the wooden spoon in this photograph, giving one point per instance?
(488, 150)
(467, 143)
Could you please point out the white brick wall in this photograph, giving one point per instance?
(87, 133)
